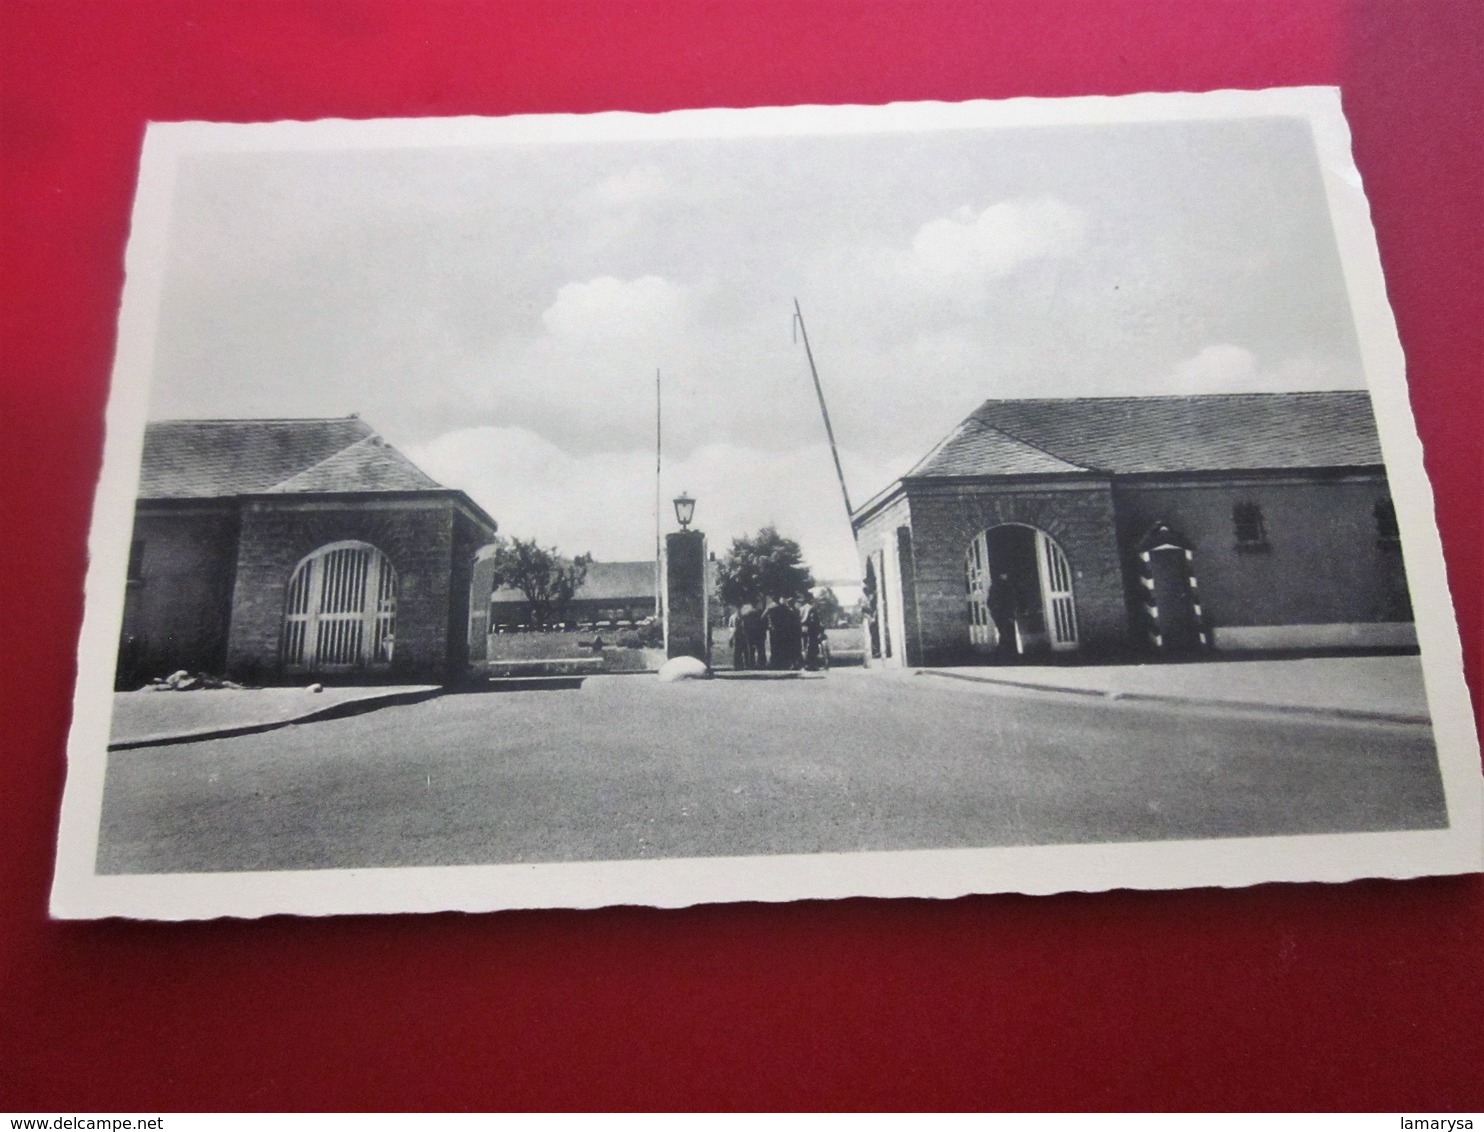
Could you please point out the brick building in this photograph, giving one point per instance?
(273, 550)
(1162, 525)
(612, 595)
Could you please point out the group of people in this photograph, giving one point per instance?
(781, 634)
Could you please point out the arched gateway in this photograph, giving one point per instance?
(341, 611)
(1019, 593)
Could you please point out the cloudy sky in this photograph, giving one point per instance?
(499, 313)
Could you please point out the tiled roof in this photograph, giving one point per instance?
(974, 446)
(214, 459)
(1129, 435)
(368, 465)
(605, 581)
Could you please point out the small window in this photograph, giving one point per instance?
(1387, 532)
(136, 561)
(1248, 526)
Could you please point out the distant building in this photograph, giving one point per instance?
(1167, 525)
(281, 549)
(613, 594)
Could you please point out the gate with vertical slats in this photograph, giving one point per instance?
(341, 610)
(1038, 580)
(1056, 594)
(982, 636)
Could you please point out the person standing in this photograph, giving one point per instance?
(813, 633)
(794, 633)
(783, 634)
(1003, 607)
(750, 618)
(739, 641)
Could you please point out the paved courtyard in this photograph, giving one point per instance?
(626, 767)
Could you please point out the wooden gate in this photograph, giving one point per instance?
(342, 610)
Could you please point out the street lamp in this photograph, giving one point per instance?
(685, 509)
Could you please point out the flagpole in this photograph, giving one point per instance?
(659, 610)
(825, 413)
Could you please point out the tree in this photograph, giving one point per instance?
(547, 580)
(766, 565)
(831, 614)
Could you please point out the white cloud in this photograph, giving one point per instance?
(535, 489)
(607, 307)
(604, 504)
(968, 248)
(1227, 368)
(586, 377)
(1223, 368)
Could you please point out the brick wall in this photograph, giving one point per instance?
(1322, 564)
(946, 517)
(418, 538)
(176, 615)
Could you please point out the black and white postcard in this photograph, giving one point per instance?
(913, 500)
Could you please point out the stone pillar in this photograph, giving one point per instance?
(481, 585)
(906, 573)
(687, 616)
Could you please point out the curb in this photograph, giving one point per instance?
(1193, 701)
(341, 710)
(542, 669)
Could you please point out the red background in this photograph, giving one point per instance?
(1362, 996)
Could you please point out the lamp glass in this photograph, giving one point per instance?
(685, 509)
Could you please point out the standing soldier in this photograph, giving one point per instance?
(793, 633)
(750, 621)
(813, 625)
(783, 634)
(739, 641)
(1003, 609)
